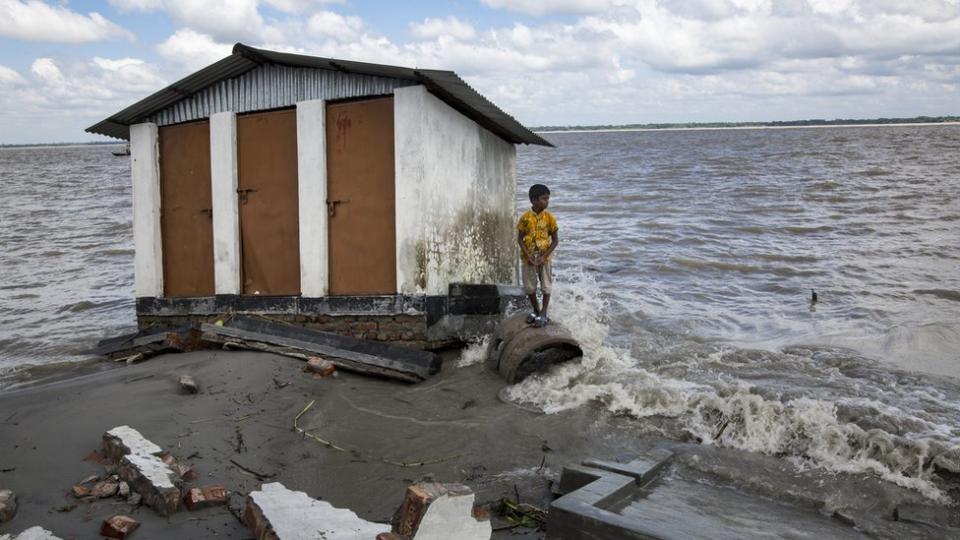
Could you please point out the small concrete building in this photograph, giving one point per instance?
(341, 195)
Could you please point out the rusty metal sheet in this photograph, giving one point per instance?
(360, 197)
(186, 222)
(269, 210)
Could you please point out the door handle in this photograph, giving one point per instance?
(208, 212)
(332, 206)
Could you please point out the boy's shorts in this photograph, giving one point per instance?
(531, 274)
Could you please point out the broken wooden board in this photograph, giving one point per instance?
(346, 353)
(150, 342)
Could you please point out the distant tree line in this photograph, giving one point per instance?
(776, 123)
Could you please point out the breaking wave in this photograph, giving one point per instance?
(818, 407)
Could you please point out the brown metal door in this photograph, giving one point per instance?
(186, 222)
(269, 213)
(360, 191)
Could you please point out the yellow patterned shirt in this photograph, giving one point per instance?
(536, 230)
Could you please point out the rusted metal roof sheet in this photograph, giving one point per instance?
(221, 86)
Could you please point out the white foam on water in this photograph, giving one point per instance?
(474, 353)
(711, 403)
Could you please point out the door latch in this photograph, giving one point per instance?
(243, 192)
(332, 206)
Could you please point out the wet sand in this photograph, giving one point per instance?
(452, 428)
(245, 411)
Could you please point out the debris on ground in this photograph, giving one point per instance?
(205, 497)
(320, 367)
(430, 510)
(521, 514)
(33, 533)
(141, 464)
(118, 526)
(277, 512)
(8, 505)
(351, 354)
(150, 342)
(187, 384)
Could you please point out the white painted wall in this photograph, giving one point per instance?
(148, 248)
(226, 209)
(455, 185)
(312, 178)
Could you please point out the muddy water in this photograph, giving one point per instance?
(686, 268)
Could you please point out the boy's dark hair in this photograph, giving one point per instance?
(537, 190)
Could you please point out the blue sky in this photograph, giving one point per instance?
(67, 64)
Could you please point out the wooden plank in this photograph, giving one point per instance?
(342, 363)
(424, 361)
(348, 360)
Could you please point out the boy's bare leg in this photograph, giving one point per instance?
(546, 302)
(533, 302)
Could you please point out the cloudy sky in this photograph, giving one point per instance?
(67, 64)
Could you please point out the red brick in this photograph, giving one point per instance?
(205, 497)
(179, 468)
(481, 512)
(320, 366)
(118, 527)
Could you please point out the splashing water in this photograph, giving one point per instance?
(816, 407)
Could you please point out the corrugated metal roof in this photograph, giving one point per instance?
(446, 85)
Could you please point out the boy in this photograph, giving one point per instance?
(537, 236)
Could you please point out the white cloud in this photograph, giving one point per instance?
(192, 50)
(34, 20)
(545, 7)
(298, 6)
(9, 77)
(333, 25)
(221, 19)
(447, 27)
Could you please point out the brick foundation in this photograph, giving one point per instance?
(404, 330)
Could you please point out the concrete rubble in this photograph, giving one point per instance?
(187, 384)
(8, 505)
(33, 533)
(118, 526)
(277, 513)
(140, 464)
(431, 510)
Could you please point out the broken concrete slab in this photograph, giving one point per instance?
(118, 526)
(431, 510)
(149, 476)
(123, 440)
(205, 497)
(361, 356)
(277, 513)
(33, 533)
(187, 384)
(8, 505)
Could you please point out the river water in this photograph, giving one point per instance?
(686, 268)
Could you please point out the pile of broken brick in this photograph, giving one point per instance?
(141, 472)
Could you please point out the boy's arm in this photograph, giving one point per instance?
(523, 248)
(554, 240)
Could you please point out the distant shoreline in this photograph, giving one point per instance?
(714, 128)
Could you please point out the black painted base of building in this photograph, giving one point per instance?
(422, 321)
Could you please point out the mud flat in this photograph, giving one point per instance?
(368, 439)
